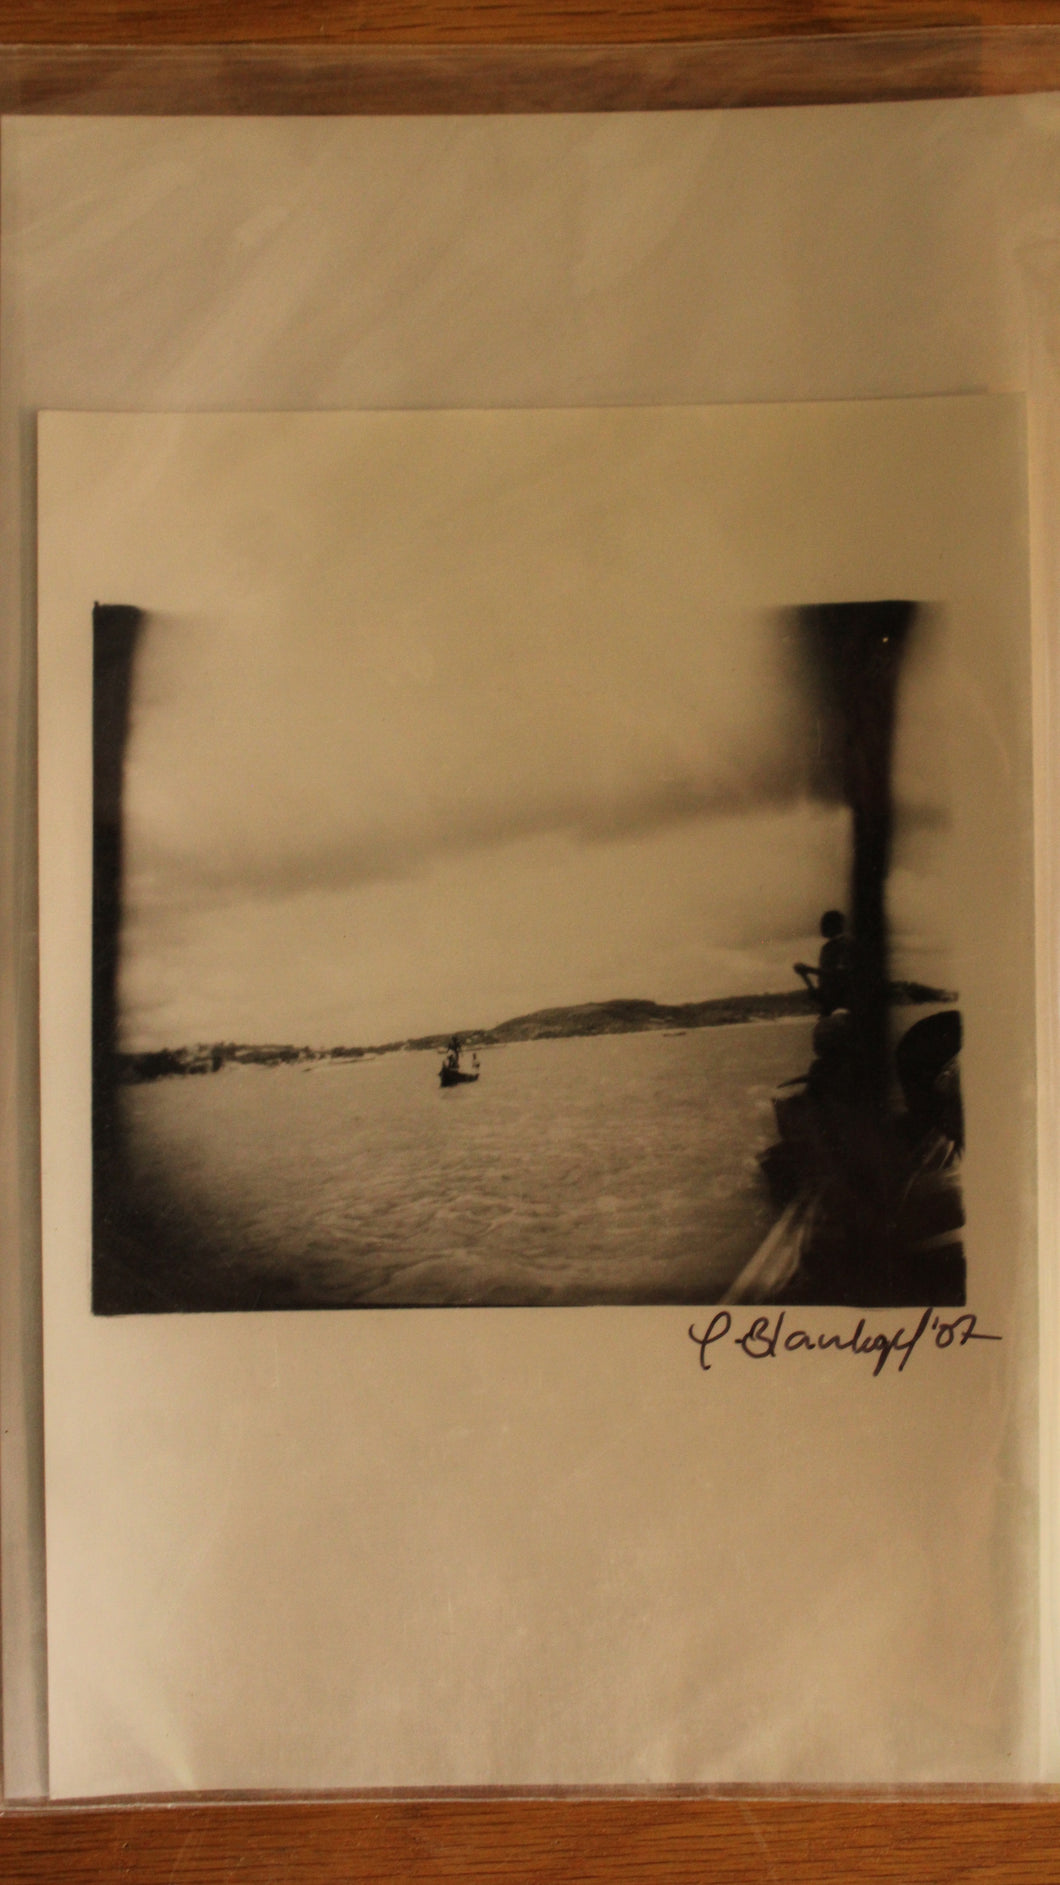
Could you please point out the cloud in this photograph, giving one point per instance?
(221, 873)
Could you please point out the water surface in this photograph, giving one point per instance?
(615, 1169)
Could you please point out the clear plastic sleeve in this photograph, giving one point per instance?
(234, 231)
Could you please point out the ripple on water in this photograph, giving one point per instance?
(620, 1168)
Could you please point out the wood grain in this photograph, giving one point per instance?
(462, 78)
(465, 79)
(678, 1842)
(477, 22)
(670, 1840)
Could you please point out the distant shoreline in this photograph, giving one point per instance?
(545, 1024)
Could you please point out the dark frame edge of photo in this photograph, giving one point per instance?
(669, 1834)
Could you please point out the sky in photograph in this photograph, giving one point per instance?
(442, 718)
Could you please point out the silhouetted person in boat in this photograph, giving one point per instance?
(829, 982)
(452, 1057)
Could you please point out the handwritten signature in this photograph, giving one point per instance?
(765, 1338)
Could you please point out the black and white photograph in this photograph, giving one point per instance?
(536, 862)
(494, 902)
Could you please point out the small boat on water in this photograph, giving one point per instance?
(454, 1076)
(451, 1073)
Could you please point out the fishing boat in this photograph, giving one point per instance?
(451, 1073)
(455, 1076)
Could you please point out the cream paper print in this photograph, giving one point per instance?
(496, 745)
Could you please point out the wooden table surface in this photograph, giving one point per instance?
(477, 22)
(670, 1840)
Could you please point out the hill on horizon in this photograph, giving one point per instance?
(625, 1015)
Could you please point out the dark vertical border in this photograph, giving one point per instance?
(116, 632)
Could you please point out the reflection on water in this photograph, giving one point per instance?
(617, 1169)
